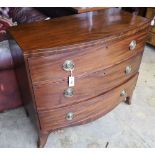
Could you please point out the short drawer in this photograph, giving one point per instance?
(51, 95)
(86, 60)
(86, 111)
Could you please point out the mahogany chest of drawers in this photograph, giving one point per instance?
(75, 69)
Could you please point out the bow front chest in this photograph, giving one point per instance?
(75, 69)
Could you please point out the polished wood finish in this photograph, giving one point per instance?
(98, 26)
(51, 94)
(42, 68)
(86, 9)
(87, 110)
(98, 43)
(23, 79)
(140, 11)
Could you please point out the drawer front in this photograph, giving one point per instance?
(86, 111)
(86, 60)
(151, 38)
(51, 95)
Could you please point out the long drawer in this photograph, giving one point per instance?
(51, 95)
(86, 111)
(86, 60)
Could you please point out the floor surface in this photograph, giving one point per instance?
(125, 126)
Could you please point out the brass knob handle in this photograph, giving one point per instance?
(69, 92)
(153, 21)
(68, 65)
(128, 70)
(132, 45)
(123, 93)
(69, 116)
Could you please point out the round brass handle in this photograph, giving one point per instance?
(128, 70)
(123, 93)
(132, 45)
(69, 116)
(69, 92)
(68, 65)
(153, 21)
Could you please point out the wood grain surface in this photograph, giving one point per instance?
(76, 29)
(86, 9)
(51, 95)
(86, 111)
(98, 43)
(86, 60)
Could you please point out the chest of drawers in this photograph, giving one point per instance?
(75, 69)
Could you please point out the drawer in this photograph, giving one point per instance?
(51, 95)
(151, 38)
(86, 111)
(86, 60)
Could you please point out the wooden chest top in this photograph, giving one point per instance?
(70, 30)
